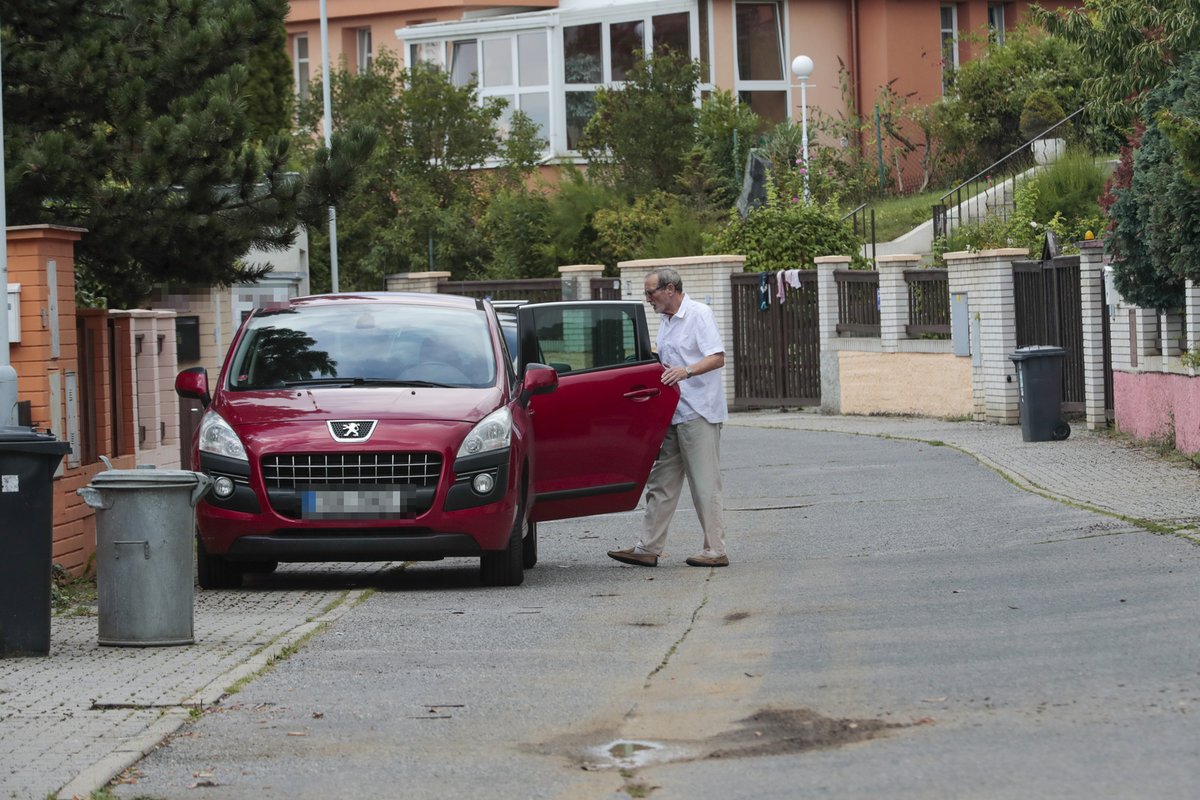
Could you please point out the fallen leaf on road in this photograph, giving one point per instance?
(318, 715)
(297, 733)
(934, 700)
(202, 784)
(925, 721)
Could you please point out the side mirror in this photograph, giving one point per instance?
(539, 379)
(193, 383)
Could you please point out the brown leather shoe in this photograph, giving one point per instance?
(708, 561)
(630, 555)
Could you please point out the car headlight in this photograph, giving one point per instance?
(494, 432)
(218, 438)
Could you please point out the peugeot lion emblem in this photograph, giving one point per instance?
(351, 430)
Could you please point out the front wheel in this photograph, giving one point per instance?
(215, 572)
(506, 567)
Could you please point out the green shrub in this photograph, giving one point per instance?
(787, 234)
(1039, 113)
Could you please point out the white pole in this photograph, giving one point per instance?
(804, 132)
(327, 97)
(802, 68)
(8, 375)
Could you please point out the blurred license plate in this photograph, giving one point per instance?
(354, 503)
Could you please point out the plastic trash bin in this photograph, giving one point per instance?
(1040, 386)
(145, 531)
(27, 463)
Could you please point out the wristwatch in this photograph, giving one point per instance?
(688, 370)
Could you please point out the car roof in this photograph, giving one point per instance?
(397, 298)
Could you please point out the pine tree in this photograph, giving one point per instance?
(131, 119)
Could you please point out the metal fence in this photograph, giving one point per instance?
(858, 301)
(928, 303)
(548, 290)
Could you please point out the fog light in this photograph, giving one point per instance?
(223, 487)
(483, 483)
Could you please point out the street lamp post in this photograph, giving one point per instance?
(327, 94)
(802, 68)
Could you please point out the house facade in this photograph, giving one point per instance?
(548, 58)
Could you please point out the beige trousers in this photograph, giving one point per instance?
(692, 450)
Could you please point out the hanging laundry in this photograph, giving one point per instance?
(779, 286)
(793, 278)
(764, 291)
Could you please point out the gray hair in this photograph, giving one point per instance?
(665, 275)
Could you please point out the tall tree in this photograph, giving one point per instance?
(130, 118)
(1132, 45)
(643, 132)
(1156, 232)
(416, 200)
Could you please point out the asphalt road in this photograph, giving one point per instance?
(898, 621)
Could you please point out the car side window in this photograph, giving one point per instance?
(586, 337)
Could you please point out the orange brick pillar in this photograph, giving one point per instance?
(41, 259)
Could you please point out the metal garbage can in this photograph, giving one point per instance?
(145, 529)
(27, 463)
(1040, 386)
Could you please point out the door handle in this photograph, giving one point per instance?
(642, 394)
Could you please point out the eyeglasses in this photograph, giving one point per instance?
(652, 292)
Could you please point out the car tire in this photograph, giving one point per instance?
(257, 567)
(506, 567)
(529, 550)
(215, 572)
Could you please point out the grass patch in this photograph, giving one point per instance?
(896, 216)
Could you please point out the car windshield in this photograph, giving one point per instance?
(360, 344)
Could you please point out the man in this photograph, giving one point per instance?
(690, 349)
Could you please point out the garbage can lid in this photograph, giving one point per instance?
(143, 478)
(1036, 351)
(27, 440)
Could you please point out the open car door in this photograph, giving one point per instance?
(597, 435)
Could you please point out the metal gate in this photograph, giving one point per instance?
(778, 350)
(1048, 312)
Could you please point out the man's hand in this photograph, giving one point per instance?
(673, 375)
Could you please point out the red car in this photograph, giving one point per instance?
(390, 426)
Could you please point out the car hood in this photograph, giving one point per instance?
(369, 402)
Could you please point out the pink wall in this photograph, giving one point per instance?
(1151, 405)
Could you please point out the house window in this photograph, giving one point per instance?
(761, 81)
(427, 53)
(300, 60)
(464, 62)
(949, 46)
(517, 69)
(670, 32)
(364, 49)
(602, 53)
(626, 46)
(996, 22)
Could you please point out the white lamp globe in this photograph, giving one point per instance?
(802, 67)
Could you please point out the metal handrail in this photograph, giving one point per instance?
(854, 216)
(990, 169)
(955, 199)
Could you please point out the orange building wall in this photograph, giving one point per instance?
(345, 17)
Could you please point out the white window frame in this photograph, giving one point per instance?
(953, 32)
(301, 74)
(438, 37)
(646, 14)
(784, 84)
(364, 54)
(516, 90)
(996, 22)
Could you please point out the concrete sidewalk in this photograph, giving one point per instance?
(72, 721)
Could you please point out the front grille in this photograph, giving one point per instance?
(363, 469)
